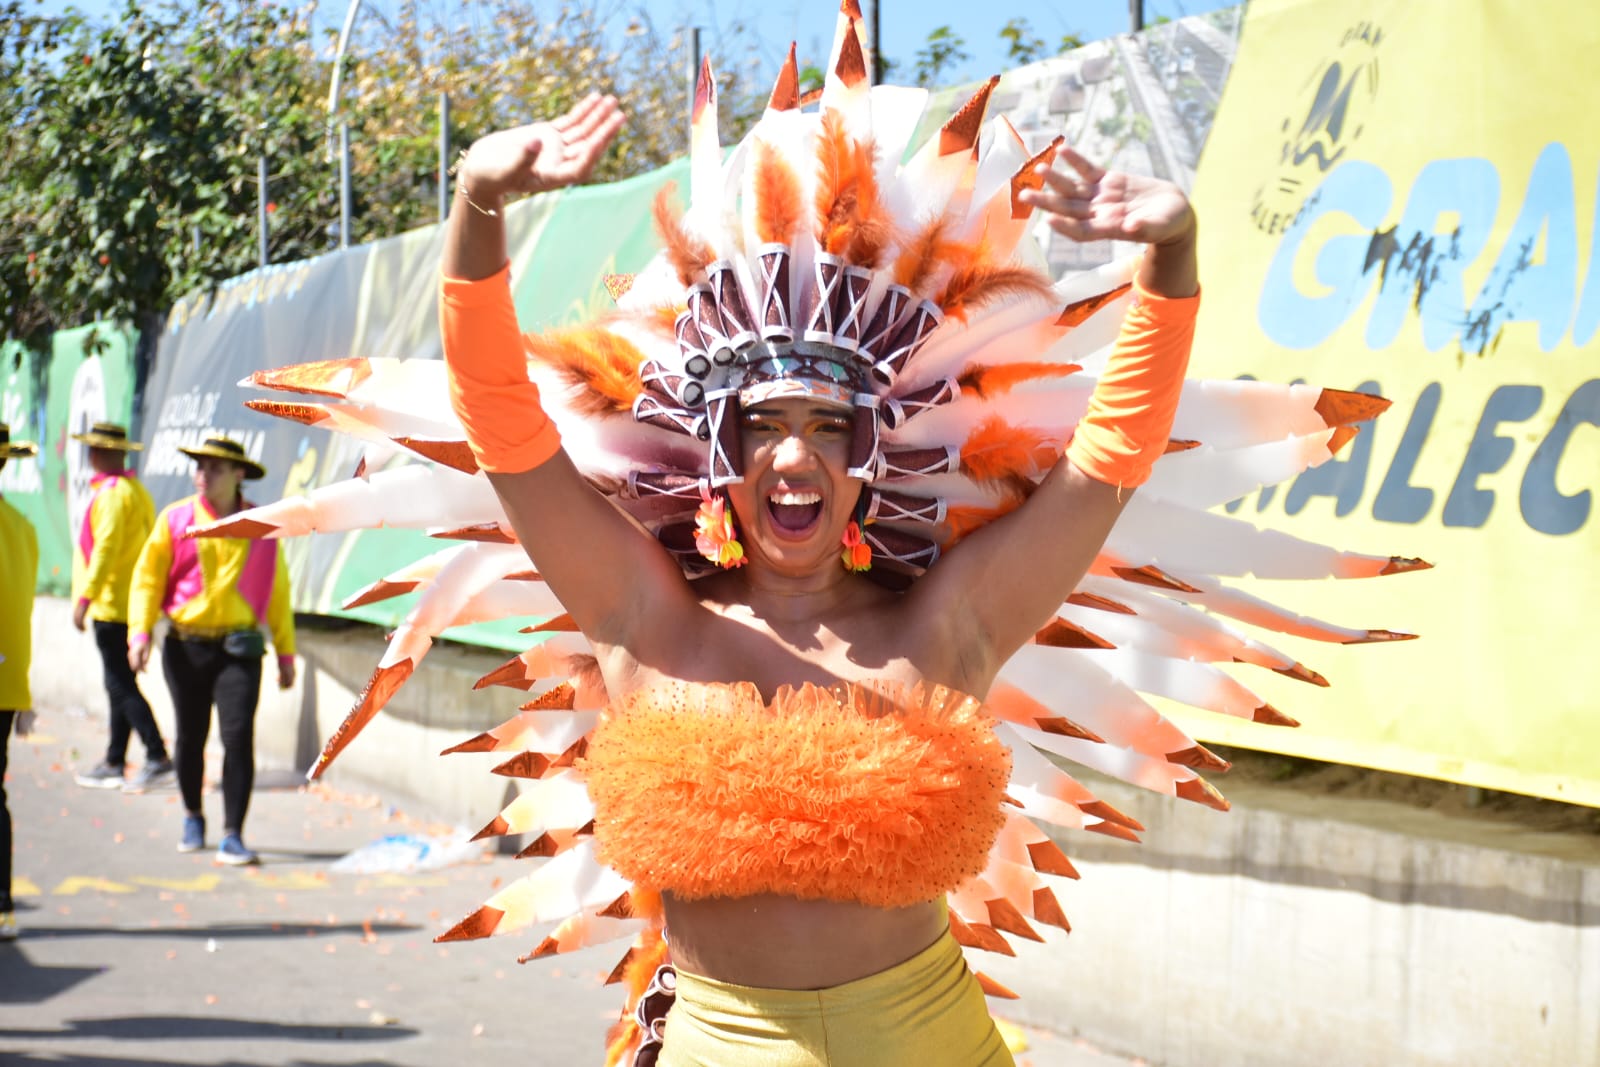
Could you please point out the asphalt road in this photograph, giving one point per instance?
(133, 954)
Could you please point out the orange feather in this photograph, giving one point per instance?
(604, 367)
(777, 193)
(873, 229)
(961, 520)
(687, 253)
(976, 283)
(1006, 457)
(992, 380)
(918, 259)
(836, 184)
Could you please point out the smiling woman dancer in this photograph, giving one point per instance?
(807, 925)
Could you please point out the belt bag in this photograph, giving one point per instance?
(244, 644)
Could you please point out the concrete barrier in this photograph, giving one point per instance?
(1292, 930)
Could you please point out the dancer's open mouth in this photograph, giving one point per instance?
(794, 511)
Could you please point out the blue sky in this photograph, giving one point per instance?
(905, 24)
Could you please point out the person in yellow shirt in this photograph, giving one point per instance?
(218, 592)
(115, 526)
(19, 567)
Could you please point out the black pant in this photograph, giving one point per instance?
(6, 718)
(129, 710)
(200, 673)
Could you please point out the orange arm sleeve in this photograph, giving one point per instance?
(1130, 414)
(489, 387)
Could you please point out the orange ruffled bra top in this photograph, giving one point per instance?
(880, 794)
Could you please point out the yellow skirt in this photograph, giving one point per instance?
(926, 1012)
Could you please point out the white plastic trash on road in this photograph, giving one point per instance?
(403, 853)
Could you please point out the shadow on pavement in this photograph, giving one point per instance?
(220, 931)
(84, 1060)
(199, 1028)
(24, 982)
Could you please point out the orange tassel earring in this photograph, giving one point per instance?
(713, 533)
(857, 554)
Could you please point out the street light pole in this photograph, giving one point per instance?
(1135, 15)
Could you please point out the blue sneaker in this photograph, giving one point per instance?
(232, 852)
(194, 834)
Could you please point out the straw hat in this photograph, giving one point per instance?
(10, 449)
(108, 435)
(223, 448)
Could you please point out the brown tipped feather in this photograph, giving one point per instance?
(976, 283)
(837, 188)
(918, 259)
(873, 229)
(992, 380)
(687, 253)
(778, 197)
(603, 366)
(1004, 456)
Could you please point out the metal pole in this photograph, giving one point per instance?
(869, 15)
(350, 14)
(1135, 15)
(444, 155)
(694, 68)
(194, 236)
(344, 185)
(261, 209)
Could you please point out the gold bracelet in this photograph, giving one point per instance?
(461, 187)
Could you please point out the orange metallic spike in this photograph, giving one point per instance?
(456, 455)
(496, 827)
(1271, 716)
(1341, 436)
(562, 697)
(1111, 829)
(1150, 574)
(979, 936)
(1201, 792)
(513, 672)
(380, 687)
(1300, 673)
(960, 132)
(991, 988)
(326, 377)
(1062, 726)
(1100, 603)
(1200, 758)
(1374, 637)
(1338, 407)
(1060, 633)
(306, 414)
(1402, 565)
(1047, 858)
(489, 532)
(480, 923)
(1175, 444)
(852, 65)
(1030, 178)
(1078, 312)
(786, 91)
(484, 742)
(1003, 915)
(705, 89)
(250, 529)
(1047, 909)
(1101, 810)
(543, 846)
(382, 589)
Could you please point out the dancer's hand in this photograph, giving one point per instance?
(24, 723)
(285, 672)
(1086, 202)
(80, 615)
(139, 657)
(542, 155)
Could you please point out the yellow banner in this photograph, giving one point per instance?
(1401, 198)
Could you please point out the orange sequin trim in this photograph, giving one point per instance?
(887, 796)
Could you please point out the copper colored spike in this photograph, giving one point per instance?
(1374, 637)
(621, 908)
(1338, 407)
(1048, 858)
(361, 468)
(786, 90)
(380, 687)
(617, 284)
(250, 529)
(1100, 603)
(1062, 726)
(980, 936)
(1300, 673)
(1101, 810)
(497, 826)
(1060, 633)
(810, 97)
(1030, 178)
(559, 624)
(1150, 574)
(528, 575)
(1009, 799)
(524, 765)
(1201, 792)
(327, 377)
(548, 947)
(456, 455)
(379, 590)
(1047, 909)
(622, 966)
(480, 923)
(705, 89)
(991, 988)
(512, 672)
(1268, 715)
(960, 131)
(1403, 564)
(490, 532)
(1078, 312)
(850, 9)
(1178, 444)
(1200, 758)
(557, 698)
(1111, 829)
(541, 846)
(309, 414)
(852, 65)
(1003, 915)
(1341, 436)
(484, 742)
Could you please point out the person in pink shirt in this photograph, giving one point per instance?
(218, 593)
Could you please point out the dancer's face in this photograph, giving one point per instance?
(218, 480)
(796, 499)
